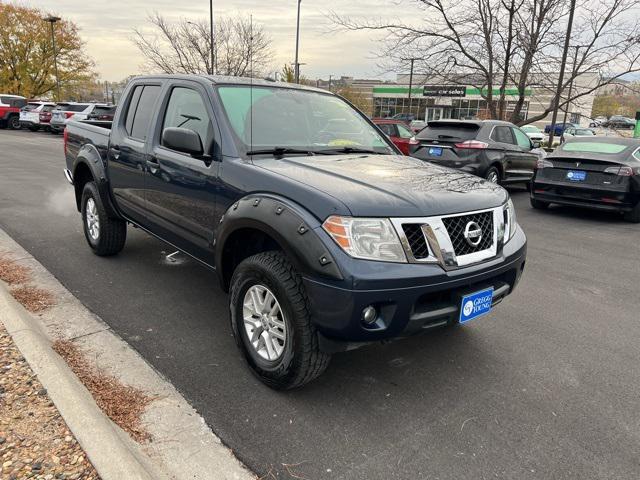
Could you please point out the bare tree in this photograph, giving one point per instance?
(496, 45)
(240, 49)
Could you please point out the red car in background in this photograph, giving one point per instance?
(399, 133)
(10, 106)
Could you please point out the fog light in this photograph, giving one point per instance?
(369, 315)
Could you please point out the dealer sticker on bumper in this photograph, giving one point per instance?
(476, 304)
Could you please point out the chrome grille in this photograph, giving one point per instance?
(415, 239)
(456, 225)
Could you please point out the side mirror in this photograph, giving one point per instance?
(535, 145)
(182, 140)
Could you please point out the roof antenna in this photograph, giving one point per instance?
(251, 81)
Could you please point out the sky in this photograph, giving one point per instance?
(106, 26)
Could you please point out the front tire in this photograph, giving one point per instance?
(268, 303)
(106, 236)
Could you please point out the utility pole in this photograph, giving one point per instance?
(556, 102)
(329, 82)
(211, 41)
(297, 65)
(51, 19)
(411, 79)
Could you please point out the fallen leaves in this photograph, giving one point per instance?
(121, 403)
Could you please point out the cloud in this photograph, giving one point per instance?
(107, 28)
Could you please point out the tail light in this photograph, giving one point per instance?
(68, 114)
(65, 139)
(472, 145)
(541, 163)
(620, 171)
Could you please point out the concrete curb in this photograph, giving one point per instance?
(109, 449)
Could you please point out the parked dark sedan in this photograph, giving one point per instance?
(599, 172)
(492, 149)
(620, 123)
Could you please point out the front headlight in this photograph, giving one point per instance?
(510, 222)
(366, 238)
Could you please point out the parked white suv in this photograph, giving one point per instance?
(30, 115)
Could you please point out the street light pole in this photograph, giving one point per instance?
(211, 42)
(51, 19)
(297, 65)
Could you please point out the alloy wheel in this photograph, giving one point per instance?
(92, 219)
(264, 322)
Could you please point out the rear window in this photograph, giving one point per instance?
(594, 147)
(76, 108)
(104, 110)
(448, 131)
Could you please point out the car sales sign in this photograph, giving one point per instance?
(476, 304)
(444, 91)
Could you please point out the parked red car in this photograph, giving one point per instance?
(398, 132)
(10, 106)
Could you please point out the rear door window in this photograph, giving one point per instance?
(449, 132)
(144, 111)
(503, 135)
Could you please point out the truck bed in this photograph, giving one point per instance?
(86, 132)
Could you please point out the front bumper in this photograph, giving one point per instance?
(410, 298)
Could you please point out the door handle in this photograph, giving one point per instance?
(115, 152)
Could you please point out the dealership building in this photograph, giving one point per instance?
(432, 98)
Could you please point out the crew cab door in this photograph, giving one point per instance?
(180, 188)
(127, 155)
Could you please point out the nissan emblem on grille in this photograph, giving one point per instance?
(473, 234)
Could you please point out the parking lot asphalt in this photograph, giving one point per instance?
(545, 387)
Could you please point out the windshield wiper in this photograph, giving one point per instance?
(280, 151)
(349, 150)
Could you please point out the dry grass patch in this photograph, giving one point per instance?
(11, 272)
(32, 298)
(121, 403)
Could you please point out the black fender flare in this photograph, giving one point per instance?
(89, 156)
(289, 224)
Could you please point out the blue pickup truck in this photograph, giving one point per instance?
(324, 235)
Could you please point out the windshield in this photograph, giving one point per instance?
(296, 119)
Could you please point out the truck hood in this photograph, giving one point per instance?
(389, 185)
